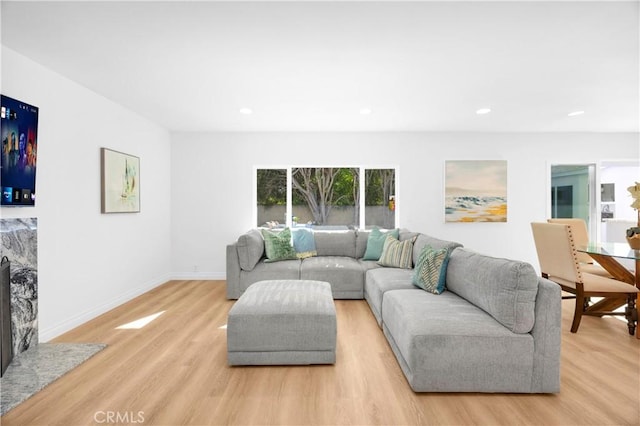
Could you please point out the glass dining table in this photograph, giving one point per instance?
(608, 255)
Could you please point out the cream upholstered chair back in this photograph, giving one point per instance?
(580, 235)
(556, 251)
(558, 259)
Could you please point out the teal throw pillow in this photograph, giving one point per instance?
(277, 246)
(431, 269)
(304, 243)
(375, 243)
(397, 254)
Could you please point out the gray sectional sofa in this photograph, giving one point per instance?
(496, 328)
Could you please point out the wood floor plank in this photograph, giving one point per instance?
(173, 371)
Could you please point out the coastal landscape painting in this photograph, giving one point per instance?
(475, 191)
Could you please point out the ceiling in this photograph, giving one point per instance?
(313, 66)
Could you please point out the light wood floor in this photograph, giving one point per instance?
(173, 371)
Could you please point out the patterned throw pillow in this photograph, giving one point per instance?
(375, 243)
(277, 246)
(304, 243)
(397, 254)
(431, 269)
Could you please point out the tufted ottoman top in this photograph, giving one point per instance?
(283, 322)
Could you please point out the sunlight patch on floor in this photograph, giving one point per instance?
(139, 323)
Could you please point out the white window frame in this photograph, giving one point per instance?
(289, 206)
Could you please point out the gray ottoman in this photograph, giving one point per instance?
(282, 322)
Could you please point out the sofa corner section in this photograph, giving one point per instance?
(547, 338)
(233, 272)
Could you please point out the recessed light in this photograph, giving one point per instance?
(574, 113)
(365, 111)
(483, 111)
(246, 111)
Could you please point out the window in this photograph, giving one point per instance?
(271, 196)
(326, 197)
(380, 203)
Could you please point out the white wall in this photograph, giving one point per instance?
(623, 177)
(212, 195)
(89, 262)
(197, 193)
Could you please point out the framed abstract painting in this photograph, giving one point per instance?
(120, 182)
(475, 191)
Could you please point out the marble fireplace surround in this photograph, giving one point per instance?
(20, 245)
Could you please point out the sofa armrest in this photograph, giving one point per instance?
(546, 334)
(233, 271)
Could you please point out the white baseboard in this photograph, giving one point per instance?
(44, 335)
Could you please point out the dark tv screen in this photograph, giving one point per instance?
(19, 134)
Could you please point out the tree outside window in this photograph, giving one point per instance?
(327, 197)
(380, 202)
(271, 196)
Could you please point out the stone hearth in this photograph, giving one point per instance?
(20, 245)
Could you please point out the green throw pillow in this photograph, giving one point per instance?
(277, 246)
(397, 254)
(431, 269)
(375, 243)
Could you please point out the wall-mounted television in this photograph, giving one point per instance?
(19, 134)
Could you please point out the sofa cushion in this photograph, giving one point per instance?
(405, 234)
(344, 273)
(278, 246)
(506, 289)
(369, 264)
(250, 249)
(443, 343)
(397, 254)
(286, 270)
(362, 237)
(304, 243)
(379, 280)
(431, 270)
(340, 243)
(375, 243)
(436, 243)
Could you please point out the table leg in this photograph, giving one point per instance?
(619, 272)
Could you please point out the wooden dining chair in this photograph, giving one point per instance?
(555, 245)
(581, 238)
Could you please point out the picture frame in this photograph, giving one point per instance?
(607, 192)
(119, 182)
(607, 210)
(475, 191)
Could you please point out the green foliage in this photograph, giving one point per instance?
(272, 187)
(320, 189)
(380, 184)
(342, 188)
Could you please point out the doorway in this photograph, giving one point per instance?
(573, 193)
(617, 215)
(596, 193)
